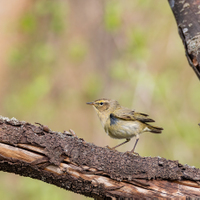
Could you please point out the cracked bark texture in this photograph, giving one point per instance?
(187, 15)
(69, 162)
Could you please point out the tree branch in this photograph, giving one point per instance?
(69, 162)
(187, 15)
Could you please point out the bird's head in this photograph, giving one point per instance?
(104, 106)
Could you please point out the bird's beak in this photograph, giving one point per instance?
(90, 103)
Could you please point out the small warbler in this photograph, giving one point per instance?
(122, 123)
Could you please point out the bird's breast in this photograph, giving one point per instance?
(120, 129)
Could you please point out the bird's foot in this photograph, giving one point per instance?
(131, 153)
(70, 132)
(110, 148)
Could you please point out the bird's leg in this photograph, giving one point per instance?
(127, 140)
(133, 150)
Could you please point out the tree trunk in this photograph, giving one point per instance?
(69, 162)
(187, 15)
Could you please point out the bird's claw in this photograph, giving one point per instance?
(70, 132)
(132, 152)
(110, 148)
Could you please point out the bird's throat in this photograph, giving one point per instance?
(103, 118)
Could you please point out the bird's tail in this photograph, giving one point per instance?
(154, 129)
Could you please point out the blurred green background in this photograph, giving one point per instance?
(58, 55)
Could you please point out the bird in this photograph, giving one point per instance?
(122, 123)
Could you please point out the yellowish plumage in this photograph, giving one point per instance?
(122, 123)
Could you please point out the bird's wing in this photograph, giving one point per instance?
(131, 115)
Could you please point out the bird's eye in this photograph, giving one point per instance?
(101, 103)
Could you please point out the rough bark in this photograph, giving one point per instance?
(187, 15)
(69, 162)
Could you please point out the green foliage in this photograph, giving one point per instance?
(24, 100)
(28, 23)
(55, 11)
(93, 85)
(137, 44)
(43, 53)
(77, 51)
(113, 15)
(119, 71)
